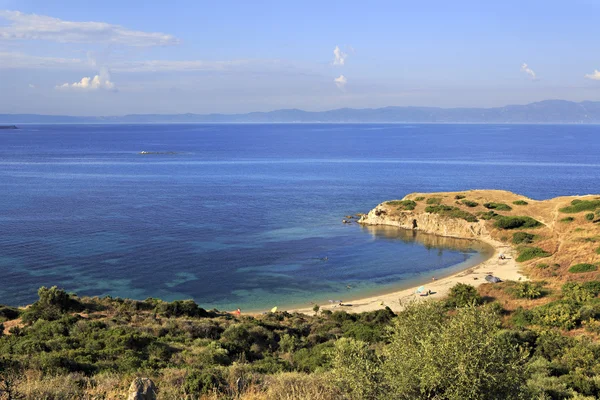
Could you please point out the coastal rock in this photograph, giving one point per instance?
(142, 389)
(424, 222)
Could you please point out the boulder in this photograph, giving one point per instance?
(142, 389)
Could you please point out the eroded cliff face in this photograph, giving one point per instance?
(424, 222)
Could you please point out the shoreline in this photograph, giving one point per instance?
(506, 269)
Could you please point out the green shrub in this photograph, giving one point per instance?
(53, 303)
(577, 292)
(434, 200)
(459, 197)
(520, 203)
(203, 381)
(529, 253)
(420, 198)
(583, 267)
(488, 215)
(567, 220)
(522, 317)
(581, 205)
(462, 295)
(598, 250)
(497, 206)
(542, 266)
(589, 216)
(558, 314)
(180, 308)
(7, 313)
(526, 290)
(451, 212)
(504, 222)
(470, 203)
(403, 204)
(522, 238)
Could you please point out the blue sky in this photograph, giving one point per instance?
(119, 57)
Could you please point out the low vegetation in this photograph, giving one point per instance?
(581, 205)
(520, 203)
(589, 216)
(459, 196)
(507, 222)
(451, 212)
(567, 220)
(419, 198)
(523, 238)
(529, 253)
(583, 267)
(497, 206)
(407, 205)
(434, 200)
(470, 203)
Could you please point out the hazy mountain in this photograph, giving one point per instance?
(548, 111)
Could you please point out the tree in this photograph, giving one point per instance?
(465, 356)
(357, 369)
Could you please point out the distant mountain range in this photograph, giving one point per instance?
(548, 111)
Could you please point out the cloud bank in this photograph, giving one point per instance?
(594, 76)
(339, 57)
(101, 81)
(525, 68)
(340, 81)
(40, 27)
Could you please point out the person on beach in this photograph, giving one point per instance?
(238, 312)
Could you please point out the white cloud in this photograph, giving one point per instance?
(31, 86)
(595, 75)
(525, 68)
(340, 81)
(101, 81)
(339, 57)
(41, 27)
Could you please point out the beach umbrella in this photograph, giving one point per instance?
(274, 309)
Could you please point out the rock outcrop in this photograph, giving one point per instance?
(385, 214)
(142, 389)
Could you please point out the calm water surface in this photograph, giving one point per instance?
(245, 215)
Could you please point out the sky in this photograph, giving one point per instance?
(109, 57)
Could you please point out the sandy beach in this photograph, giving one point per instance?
(505, 269)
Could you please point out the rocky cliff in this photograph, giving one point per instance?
(385, 214)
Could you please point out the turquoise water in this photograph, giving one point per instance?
(244, 215)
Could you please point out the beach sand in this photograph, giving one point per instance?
(506, 269)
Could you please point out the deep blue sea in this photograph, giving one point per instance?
(250, 215)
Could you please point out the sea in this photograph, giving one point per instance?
(250, 215)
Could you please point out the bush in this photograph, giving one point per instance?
(558, 314)
(488, 215)
(504, 222)
(577, 293)
(180, 308)
(420, 198)
(462, 295)
(523, 238)
(53, 303)
(542, 266)
(598, 250)
(567, 220)
(589, 216)
(451, 212)
(529, 253)
(581, 205)
(470, 203)
(459, 197)
(526, 290)
(520, 203)
(583, 267)
(497, 206)
(403, 204)
(203, 381)
(434, 200)
(7, 313)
